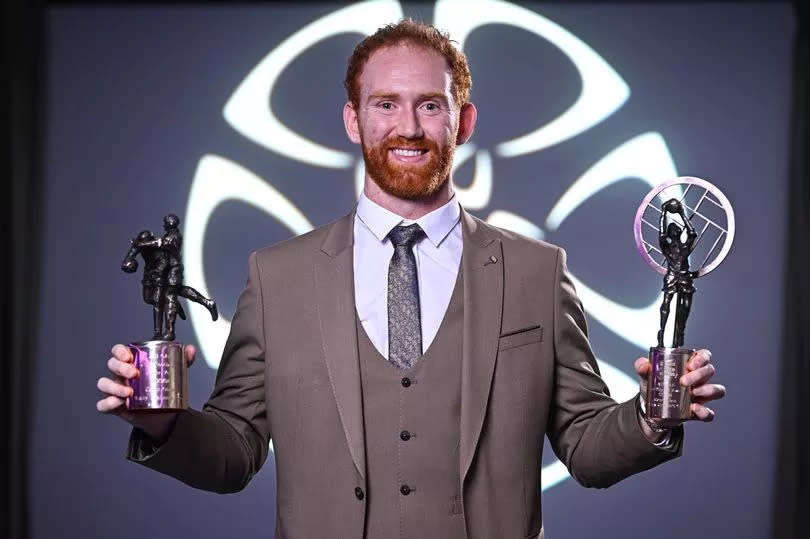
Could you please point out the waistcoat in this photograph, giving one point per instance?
(411, 420)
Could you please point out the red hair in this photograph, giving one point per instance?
(412, 32)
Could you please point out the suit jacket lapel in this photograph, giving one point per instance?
(483, 273)
(334, 281)
(482, 268)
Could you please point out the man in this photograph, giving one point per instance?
(678, 279)
(163, 277)
(155, 263)
(407, 359)
(171, 243)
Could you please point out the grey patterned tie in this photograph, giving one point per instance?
(404, 327)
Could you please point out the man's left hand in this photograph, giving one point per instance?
(699, 370)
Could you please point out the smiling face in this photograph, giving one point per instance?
(407, 121)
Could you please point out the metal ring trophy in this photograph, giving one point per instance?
(692, 221)
(162, 383)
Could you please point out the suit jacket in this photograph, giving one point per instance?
(290, 372)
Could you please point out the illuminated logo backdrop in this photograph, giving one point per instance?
(603, 91)
(229, 115)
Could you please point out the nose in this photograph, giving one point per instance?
(408, 125)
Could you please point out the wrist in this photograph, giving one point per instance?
(651, 428)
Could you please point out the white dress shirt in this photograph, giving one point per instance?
(438, 257)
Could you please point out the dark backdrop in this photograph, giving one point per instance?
(134, 111)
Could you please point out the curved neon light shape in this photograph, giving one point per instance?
(248, 110)
(219, 179)
(603, 90)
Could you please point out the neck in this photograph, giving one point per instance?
(405, 208)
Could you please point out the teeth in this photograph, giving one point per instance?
(401, 151)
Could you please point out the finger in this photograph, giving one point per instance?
(115, 389)
(699, 359)
(701, 413)
(122, 353)
(698, 377)
(122, 369)
(190, 353)
(708, 392)
(642, 367)
(109, 404)
(701, 400)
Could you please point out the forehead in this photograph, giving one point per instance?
(405, 69)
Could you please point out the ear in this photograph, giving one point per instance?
(466, 122)
(350, 122)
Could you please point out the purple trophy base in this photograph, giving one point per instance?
(162, 383)
(667, 400)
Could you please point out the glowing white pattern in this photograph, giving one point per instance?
(217, 180)
(603, 90)
(634, 325)
(359, 177)
(515, 223)
(477, 195)
(248, 110)
(645, 157)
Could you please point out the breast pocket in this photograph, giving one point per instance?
(520, 337)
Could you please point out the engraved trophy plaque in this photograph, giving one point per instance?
(683, 229)
(162, 381)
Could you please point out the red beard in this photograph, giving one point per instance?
(408, 181)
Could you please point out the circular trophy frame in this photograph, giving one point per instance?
(685, 180)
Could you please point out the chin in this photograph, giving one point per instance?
(411, 188)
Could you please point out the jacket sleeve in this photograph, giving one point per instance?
(600, 441)
(221, 447)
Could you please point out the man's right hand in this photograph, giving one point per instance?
(116, 390)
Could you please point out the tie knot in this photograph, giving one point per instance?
(406, 236)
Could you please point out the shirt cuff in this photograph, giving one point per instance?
(666, 441)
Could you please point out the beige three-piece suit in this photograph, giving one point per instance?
(294, 370)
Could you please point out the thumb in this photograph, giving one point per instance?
(190, 352)
(642, 367)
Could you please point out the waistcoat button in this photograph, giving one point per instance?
(405, 490)
(359, 493)
(405, 435)
(406, 382)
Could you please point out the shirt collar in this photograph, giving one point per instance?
(436, 224)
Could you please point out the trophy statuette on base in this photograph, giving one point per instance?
(162, 381)
(694, 221)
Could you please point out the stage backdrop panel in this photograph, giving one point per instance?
(230, 116)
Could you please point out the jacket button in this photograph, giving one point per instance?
(405, 490)
(359, 493)
(404, 435)
(406, 382)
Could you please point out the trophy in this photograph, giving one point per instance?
(162, 383)
(679, 222)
